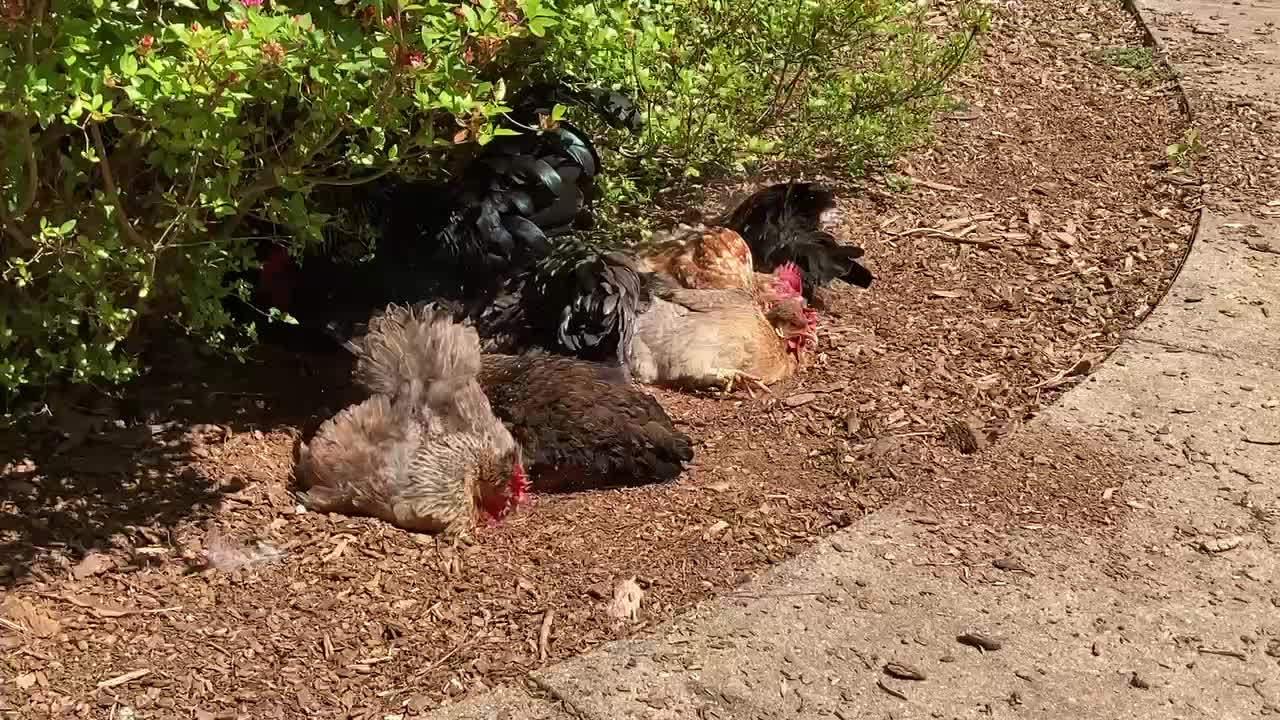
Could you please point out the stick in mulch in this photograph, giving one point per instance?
(956, 237)
(880, 684)
(544, 635)
(978, 640)
(122, 679)
(1083, 366)
(1225, 653)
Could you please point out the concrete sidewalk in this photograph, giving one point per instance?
(1155, 624)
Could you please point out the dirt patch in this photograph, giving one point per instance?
(1041, 223)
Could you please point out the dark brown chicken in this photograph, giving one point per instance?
(582, 425)
(425, 452)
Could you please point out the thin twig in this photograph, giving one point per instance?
(443, 659)
(1219, 651)
(898, 694)
(349, 182)
(109, 183)
(951, 237)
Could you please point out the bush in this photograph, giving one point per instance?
(144, 148)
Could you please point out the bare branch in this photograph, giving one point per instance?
(109, 183)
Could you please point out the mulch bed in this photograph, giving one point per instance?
(1039, 224)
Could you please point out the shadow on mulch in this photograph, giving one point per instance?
(90, 474)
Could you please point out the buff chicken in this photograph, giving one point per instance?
(425, 452)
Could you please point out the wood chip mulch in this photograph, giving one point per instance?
(156, 566)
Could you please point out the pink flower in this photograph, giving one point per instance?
(144, 45)
(410, 58)
(251, 3)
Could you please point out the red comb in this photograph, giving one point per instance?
(789, 273)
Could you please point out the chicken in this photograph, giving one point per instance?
(699, 256)
(425, 452)
(457, 240)
(603, 308)
(706, 257)
(582, 425)
(782, 224)
(717, 258)
(715, 338)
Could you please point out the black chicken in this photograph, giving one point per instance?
(588, 308)
(459, 240)
(783, 223)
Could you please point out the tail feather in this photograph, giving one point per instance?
(614, 107)
(597, 317)
(418, 351)
(782, 224)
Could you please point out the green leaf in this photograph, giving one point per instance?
(128, 64)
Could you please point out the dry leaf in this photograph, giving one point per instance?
(716, 528)
(949, 293)
(799, 399)
(29, 617)
(92, 564)
(627, 599)
(25, 682)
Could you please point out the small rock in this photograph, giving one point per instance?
(1140, 682)
(903, 671)
(1011, 565)
(1218, 545)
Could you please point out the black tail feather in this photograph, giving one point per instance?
(782, 223)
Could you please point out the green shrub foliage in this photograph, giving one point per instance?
(144, 144)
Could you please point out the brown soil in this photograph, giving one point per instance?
(1040, 224)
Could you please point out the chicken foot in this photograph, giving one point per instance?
(730, 377)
